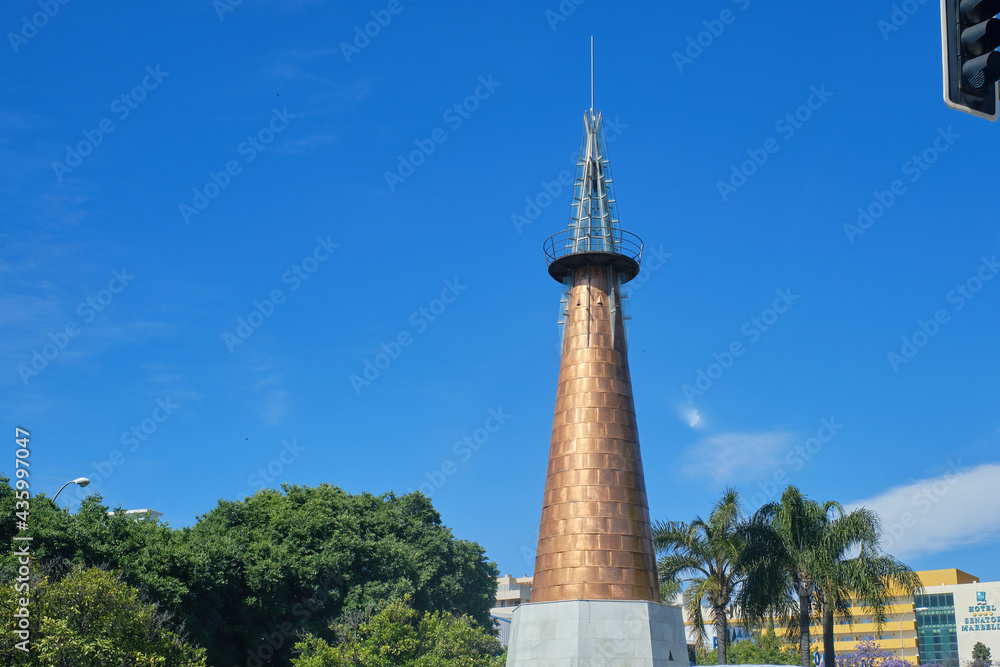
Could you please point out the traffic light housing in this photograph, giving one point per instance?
(970, 34)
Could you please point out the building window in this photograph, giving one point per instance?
(937, 635)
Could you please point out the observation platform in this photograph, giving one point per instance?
(570, 249)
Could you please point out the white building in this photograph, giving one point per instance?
(511, 592)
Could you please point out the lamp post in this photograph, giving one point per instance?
(82, 481)
(902, 651)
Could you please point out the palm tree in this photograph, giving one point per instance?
(702, 557)
(784, 554)
(799, 557)
(870, 576)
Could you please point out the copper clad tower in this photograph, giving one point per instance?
(594, 540)
(595, 600)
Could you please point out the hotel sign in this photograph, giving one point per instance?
(981, 616)
(977, 617)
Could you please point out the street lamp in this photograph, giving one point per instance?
(82, 481)
(902, 650)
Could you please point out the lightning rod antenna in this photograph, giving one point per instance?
(591, 76)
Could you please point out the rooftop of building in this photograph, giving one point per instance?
(946, 577)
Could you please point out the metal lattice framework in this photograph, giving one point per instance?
(594, 216)
(593, 235)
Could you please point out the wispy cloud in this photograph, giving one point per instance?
(296, 66)
(273, 406)
(313, 54)
(170, 380)
(19, 121)
(271, 401)
(734, 457)
(29, 311)
(306, 144)
(938, 514)
(292, 5)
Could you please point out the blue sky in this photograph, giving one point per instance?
(214, 216)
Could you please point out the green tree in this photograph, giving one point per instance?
(784, 552)
(980, 654)
(850, 566)
(669, 590)
(766, 648)
(702, 556)
(801, 555)
(252, 574)
(400, 636)
(281, 563)
(149, 554)
(702, 656)
(91, 618)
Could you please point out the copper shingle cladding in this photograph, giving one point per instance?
(594, 540)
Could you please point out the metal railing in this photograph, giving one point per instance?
(600, 239)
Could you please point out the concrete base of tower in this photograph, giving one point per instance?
(597, 633)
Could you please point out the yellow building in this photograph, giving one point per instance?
(940, 625)
(920, 629)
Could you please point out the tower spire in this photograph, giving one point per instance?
(591, 75)
(593, 236)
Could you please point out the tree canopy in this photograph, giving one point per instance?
(252, 574)
(789, 562)
(766, 648)
(785, 552)
(400, 636)
(803, 556)
(91, 618)
(703, 557)
(311, 554)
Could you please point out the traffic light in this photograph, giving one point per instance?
(970, 33)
